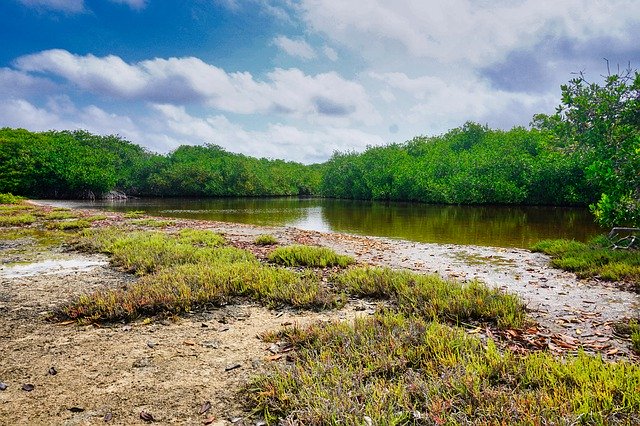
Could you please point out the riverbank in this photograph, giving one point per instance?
(171, 366)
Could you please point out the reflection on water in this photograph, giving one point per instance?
(500, 226)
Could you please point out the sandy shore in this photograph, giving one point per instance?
(170, 368)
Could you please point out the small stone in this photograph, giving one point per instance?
(141, 363)
(151, 344)
(28, 387)
(3, 386)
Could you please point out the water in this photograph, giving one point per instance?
(498, 226)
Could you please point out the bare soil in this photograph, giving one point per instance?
(170, 367)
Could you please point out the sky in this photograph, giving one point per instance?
(299, 79)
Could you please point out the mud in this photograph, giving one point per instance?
(171, 367)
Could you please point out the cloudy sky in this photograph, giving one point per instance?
(298, 79)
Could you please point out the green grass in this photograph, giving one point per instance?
(134, 214)
(299, 255)
(8, 198)
(69, 224)
(398, 369)
(265, 240)
(144, 252)
(60, 215)
(152, 223)
(593, 259)
(186, 287)
(17, 219)
(630, 329)
(433, 297)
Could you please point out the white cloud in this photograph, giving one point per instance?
(298, 48)
(477, 32)
(330, 53)
(17, 83)
(133, 4)
(325, 96)
(68, 6)
(440, 104)
(276, 141)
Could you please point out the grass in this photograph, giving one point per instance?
(134, 214)
(431, 296)
(149, 251)
(152, 223)
(593, 259)
(299, 255)
(186, 287)
(69, 224)
(20, 219)
(8, 198)
(60, 215)
(265, 240)
(399, 369)
(631, 329)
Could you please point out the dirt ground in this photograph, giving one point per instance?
(90, 374)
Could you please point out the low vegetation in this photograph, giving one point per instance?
(8, 198)
(394, 369)
(69, 224)
(17, 220)
(593, 259)
(631, 330)
(430, 296)
(265, 240)
(299, 255)
(190, 286)
(144, 252)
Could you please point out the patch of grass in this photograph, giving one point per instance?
(202, 238)
(152, 223)
(398, 369)
(185, 287)
(631, 329)
(96, 217)
(594, 259)
(299, 255)
(69, 224)
(134, 214)
(8, 198)
(433, 297)
(265, 240)
(17, 219)
(149, 251)
(60, 215)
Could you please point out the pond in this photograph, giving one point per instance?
(498, 226)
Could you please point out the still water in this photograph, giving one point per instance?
(499, 226)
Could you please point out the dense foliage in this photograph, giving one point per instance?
(79, 164)
(468, 165)
(602, 124)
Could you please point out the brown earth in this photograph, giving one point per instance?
(170, 368)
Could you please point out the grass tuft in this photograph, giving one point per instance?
(152, 223)
(134, 214)
(299, 255)
(185, 287)
(8, 198)
(594, 259)
(149, 251)
(17, 219)
(265, 240)
(431, 296)
(398, 369)
(66, 225)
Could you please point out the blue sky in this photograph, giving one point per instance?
(298, 79)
